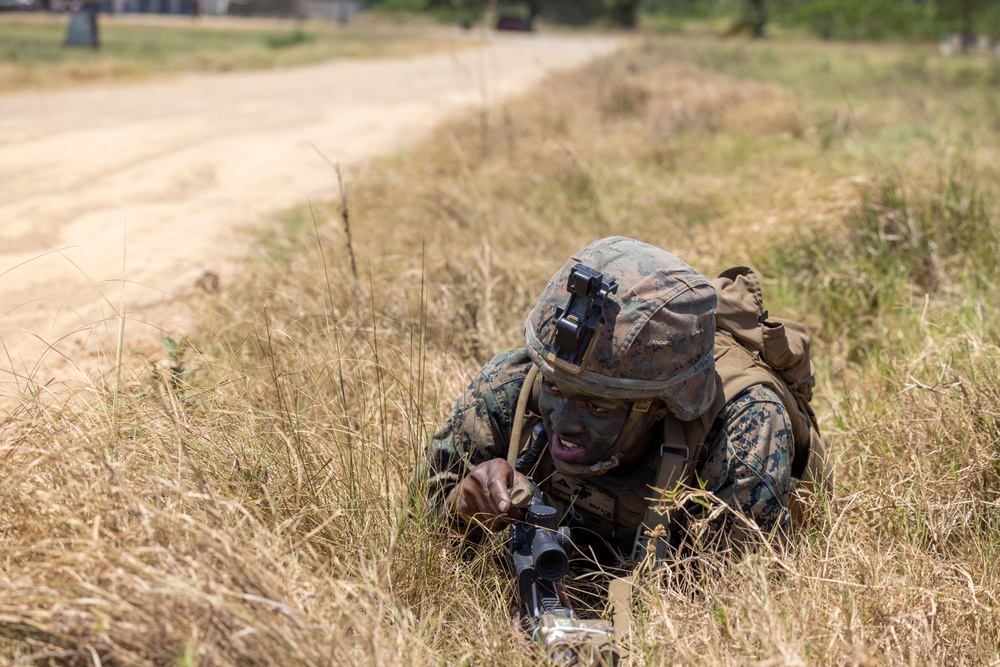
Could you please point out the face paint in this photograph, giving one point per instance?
(581, 427)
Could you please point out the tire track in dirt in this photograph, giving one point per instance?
(175, 172)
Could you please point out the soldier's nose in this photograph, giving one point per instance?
(565, 419)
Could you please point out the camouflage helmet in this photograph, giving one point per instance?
(656, 331)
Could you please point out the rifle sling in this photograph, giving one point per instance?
(620, 596)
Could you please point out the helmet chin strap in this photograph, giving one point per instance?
(581, 470)
(630, 431)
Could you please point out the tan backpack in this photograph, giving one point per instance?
(754, 348)
(751, 348)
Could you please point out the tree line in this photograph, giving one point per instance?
(835, 19)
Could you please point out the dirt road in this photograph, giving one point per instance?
(168, 174)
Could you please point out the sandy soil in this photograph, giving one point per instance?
(161, 180)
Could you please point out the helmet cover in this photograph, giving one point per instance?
(656, 335)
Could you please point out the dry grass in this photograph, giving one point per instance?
(253, 505)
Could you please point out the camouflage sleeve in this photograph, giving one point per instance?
(749, 464)
(479, 426)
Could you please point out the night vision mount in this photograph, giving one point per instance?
(580, 318)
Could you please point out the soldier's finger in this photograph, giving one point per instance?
(478, 494)
(500, 499)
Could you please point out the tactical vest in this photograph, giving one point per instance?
(750, 349)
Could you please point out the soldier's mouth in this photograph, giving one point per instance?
(565, 450)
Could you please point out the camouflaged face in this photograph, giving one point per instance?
(658, 332)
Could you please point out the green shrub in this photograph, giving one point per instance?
(862, 19)
(899, 255)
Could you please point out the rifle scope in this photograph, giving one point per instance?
(548, 556)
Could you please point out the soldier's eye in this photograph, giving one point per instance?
(552, 388)
(597, 409)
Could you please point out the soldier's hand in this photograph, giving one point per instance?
(484, 496)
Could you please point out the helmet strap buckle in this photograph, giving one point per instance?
(642, 406)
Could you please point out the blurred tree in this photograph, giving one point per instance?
(961, 14)
(751, 20)
(571, 12)
(844, 19)
(623, 13)
(861, 19)
(754, 17)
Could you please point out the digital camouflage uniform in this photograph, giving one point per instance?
(748, 463)
(655, 342)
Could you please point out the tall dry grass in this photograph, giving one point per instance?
(251, 502)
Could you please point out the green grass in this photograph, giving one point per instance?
(32, 54)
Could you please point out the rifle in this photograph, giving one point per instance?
(538, 549)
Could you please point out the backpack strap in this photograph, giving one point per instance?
(740, 369)
(812, 470)
(737, 369)
(677, 465)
